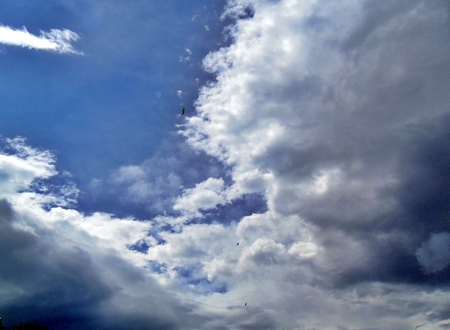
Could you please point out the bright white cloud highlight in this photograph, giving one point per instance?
(56, 40)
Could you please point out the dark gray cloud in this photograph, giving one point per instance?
(43, 284)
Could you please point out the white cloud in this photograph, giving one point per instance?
(303, 250)
(264, 251)
(55, 40)
(315, 106)
(17, 171)
(206, 195)
(67, 227)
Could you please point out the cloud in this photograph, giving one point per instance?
(334, 115)
(59, 265)
(56, 40)
(332, 126)
(157, 183)
(206, 195)
(434, 254)
(20, 169)
(331, 114)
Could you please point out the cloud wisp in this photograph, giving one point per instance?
(56, 40)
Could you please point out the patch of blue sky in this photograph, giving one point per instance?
(234, 211)
(140, 246)
(61, 190)
(157, 267)
(114, 105)
(193, 277)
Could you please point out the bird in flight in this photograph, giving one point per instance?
(237, 244)
(245, 304)
(182, 111)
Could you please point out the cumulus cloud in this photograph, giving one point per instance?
(334, 114)
(56, 40)
(158, 182)
(205, 195)
(59, 260)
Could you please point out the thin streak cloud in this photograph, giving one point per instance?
(56, 40)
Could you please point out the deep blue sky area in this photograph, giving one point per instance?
(115, 104)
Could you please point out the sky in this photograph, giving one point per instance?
(306, 187)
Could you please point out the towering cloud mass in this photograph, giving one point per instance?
(338, 113)
(55, 40)
(332, 120)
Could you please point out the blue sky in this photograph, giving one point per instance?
(135, 59)
(316, 136)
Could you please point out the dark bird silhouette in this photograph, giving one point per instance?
(245, 304)
(182, 111)
(237, 244)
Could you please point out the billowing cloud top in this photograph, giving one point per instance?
(332, 120)
(56, 40)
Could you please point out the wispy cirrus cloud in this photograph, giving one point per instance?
(55, 40)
